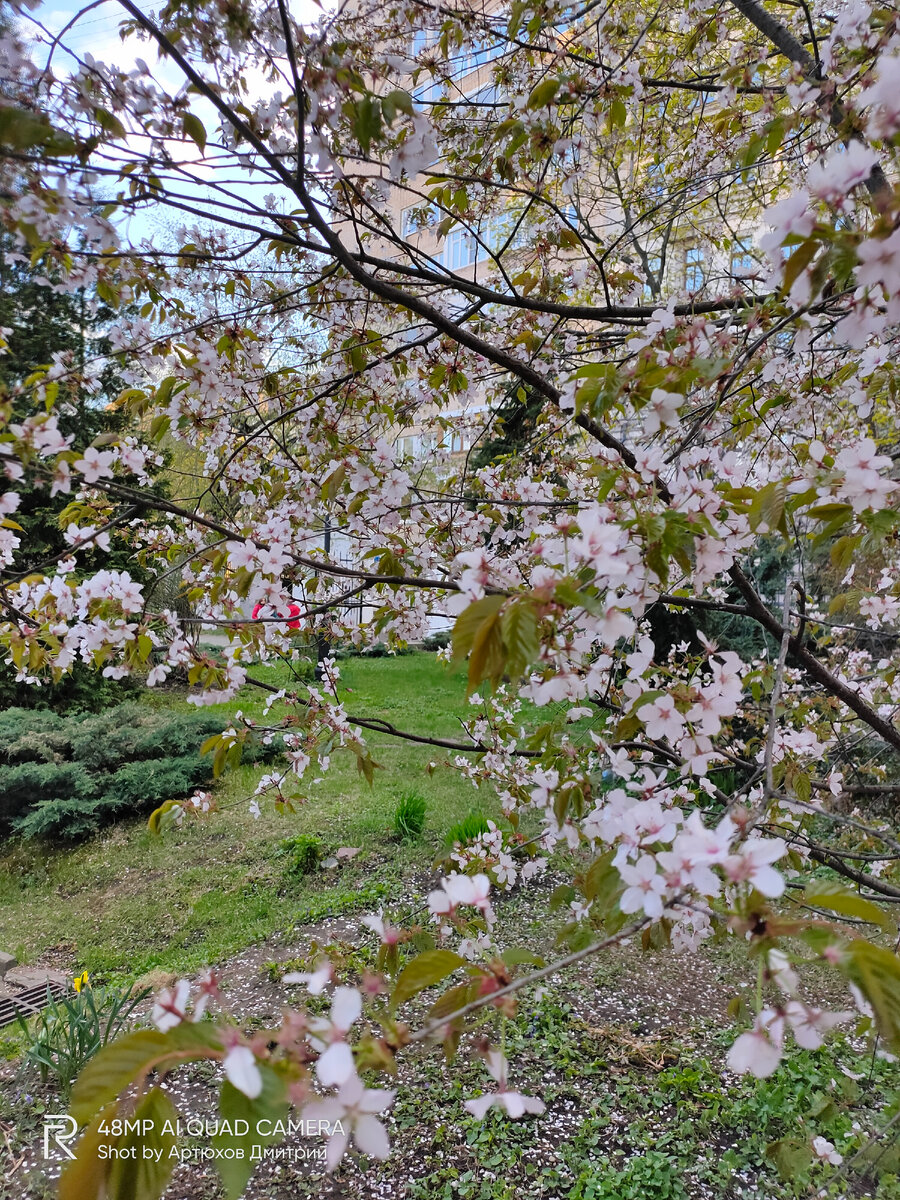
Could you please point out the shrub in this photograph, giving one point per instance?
(472, 826)
(134, 733)
(69, 1032)
(304, 854)
(29, 782)
(439, 640)
(81, 690)
(409, 816)
(65, 777)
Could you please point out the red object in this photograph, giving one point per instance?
(293, 611)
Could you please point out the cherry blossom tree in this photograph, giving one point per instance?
(671, 236)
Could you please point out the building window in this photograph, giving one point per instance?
(423, 39)
(487, 94)
(656, 182)
(427, 93)
(742, 261)
(653, 277)
(461, 249)
(415, 218)
(693, 269)
(471, 58)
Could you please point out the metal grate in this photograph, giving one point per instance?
(29, 1001)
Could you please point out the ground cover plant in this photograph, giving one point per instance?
(571, 328)
(66, 776)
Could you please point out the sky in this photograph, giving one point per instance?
(96, 31)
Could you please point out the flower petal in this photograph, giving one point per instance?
(480, 1104)
(371, 1136)
(346, 1007)
(335, 1148)
(242, 1072)
(336, 1065)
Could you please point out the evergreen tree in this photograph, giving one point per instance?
(47, 326)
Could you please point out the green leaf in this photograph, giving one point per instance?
(119, 1063)
(876, 972)
(469, 622)
(768, 507)
(831, 512)
(542, 93)
(270, 1105)
(454, 998)
(520, 638)
(790, 1156)
(157, 819)
(366, 120)
(195, 130)
(844, 550)
(825, 893)
(143, 1177)
(401, 100)
(84, 1178)
(799, 261)
(24, 130)
(515, 956)
(487, 658)
(423, 972)
(603, 883)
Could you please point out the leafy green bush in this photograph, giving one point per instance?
(81, 689)
(69, 1032)
(438, 641)
(64, 777)
(409, 816)
(26, 783)
(303, 853)
(473, 825)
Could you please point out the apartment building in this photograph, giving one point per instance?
(668, 243)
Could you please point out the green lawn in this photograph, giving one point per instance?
(127, 902)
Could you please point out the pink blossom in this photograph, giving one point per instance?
(788, 216)
(825, 1150)
(386, 932)
(752, 864)
(662, 719)
(844, 169)
(809, 1025)
(459, 890)
(170, 1008)
(96, 464)
(645, 887)
(883, 98)
(242, 1072)
(316, 981)
(351, 1112)
(335, 1063)
(662, 410)
(515, 1104)
(759, 1051)
(879, 262)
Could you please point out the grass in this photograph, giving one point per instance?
(127, 902)
(627, 1051)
